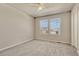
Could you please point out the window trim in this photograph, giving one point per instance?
(48, 30)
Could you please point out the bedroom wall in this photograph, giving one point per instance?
(65, 34)
(75, 26)
(15, 26)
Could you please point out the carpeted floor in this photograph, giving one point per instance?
(40, 48)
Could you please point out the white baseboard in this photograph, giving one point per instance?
(54, 41)
(78, 52)
(14, 45)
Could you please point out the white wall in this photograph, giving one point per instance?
(15, 26)
(78, 27)
(65, 34)
(75, 26)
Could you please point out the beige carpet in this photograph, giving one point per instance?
(40, 48)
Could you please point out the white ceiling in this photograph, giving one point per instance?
(48, 8)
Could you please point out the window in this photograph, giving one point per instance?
(44, 26)
(55, 26)
(51, 26)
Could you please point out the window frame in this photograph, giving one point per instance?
(50, 25)
(48, 30)
(43, 30)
